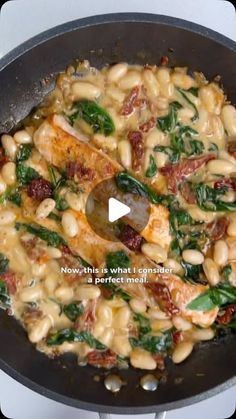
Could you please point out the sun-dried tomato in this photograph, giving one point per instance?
(146, 126)
(226, 317)
(163, 297)
(232, 148)
(39, 189)
(130, 238)
(137, 143)
(225, 183)
(104, 359)
(3, 158)
(87, 319)
(129, 102)
(217, 228)
(187, 193)
(177, 336)
(176, 173)
(10, 279)
(74, 168)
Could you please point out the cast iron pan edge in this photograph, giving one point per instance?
(13, 55)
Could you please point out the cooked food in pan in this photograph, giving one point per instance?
(162, 134)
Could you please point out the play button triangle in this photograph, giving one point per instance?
(116, 210)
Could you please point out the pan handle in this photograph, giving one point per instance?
(161, 415)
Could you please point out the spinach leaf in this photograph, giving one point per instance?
(179, 217)
(184, 94)
(168, 123)
(54, 216)
(94, 115)
(193, 91)
(5, 300)
(151, 343)
(116, 290)
(73, 310)
(127, 183)
(24, 153)
(115, 260)
(70, 335)
(192, 271)
(208, 199)
(196, 147)
(226, 272)
(61, 203)
(4, 262)
(152, 168)
(213, 297)
(15, 198)
(50, 237)
(25, 174)
(213, 147)
(144, 324)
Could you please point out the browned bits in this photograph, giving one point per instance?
(217, 228)
(74, 168)
(130, 238)
(148, 125)
(176, 173)
(105, 359)
(163, 297)
(129, 102)
(164, 60)
(40, 189)
(136, 140)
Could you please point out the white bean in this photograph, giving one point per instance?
(45, 208)
(174, 265)
(162, 103)
(142, 359)
(64, 293)
(121, 345)
(3, 185)
(76, 201)
(106, 336)
(121, 318)
(200, 215)
(194, 257)
(87, 292)
(154, 252)
(161, 159)
(182, 351)
(9, 145)
(69, 224)
(138, 306)
(31, 294)
(211, 271)
(221, 167)
(221, 252)
(116, 72)
(22, 137)
(161, 325)
(50, 283)
(181, 324)
(156, 137)
(7, 217)
(40, 330)
(163, 75)
(9, 173)
(167, 90)
(151, 82)
(53, 252)
(125, 153)
(104, 314)
(207, 96)
(231, 230)
(202, 334)
(130, 80)
(38, 270)
(229, 119)
(116, 94)
(185, 114)
(85, 90)
(182, 80)
(109, 142)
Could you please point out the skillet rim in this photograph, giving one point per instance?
(17, 53)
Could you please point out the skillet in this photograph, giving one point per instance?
(26, 75)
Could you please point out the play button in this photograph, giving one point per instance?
(108, 210)
(116, 210)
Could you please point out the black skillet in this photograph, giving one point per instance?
(26, 75)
